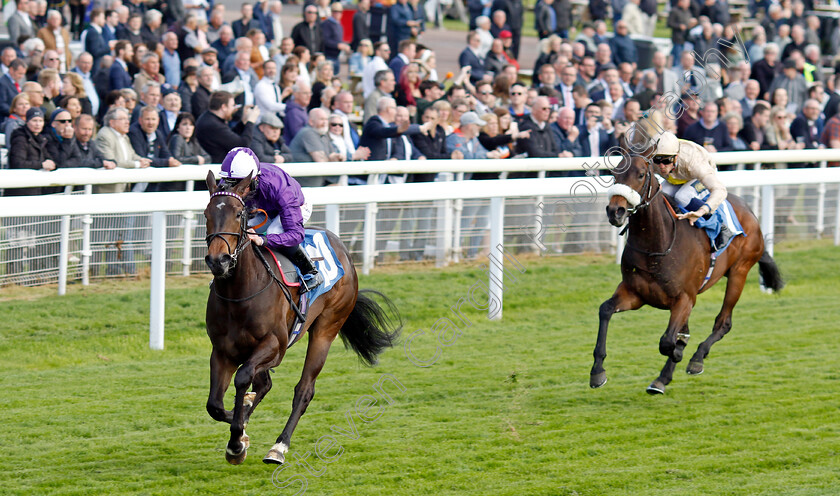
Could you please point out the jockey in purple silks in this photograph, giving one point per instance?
(282, 199)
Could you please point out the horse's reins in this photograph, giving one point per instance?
(644, 204)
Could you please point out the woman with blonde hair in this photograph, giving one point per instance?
(492, 138)
(73, 85)
(444, 114)
(777, 131)
(323, 79)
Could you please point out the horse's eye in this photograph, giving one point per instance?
(239, 215)
(641, 175)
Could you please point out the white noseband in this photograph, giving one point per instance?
(625, 191)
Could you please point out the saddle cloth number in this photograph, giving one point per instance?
(319, 249)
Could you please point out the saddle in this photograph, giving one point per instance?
(285, 267)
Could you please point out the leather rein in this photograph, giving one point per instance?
(646, 203)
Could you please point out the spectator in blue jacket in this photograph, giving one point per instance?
(401, 23)
(92, 39)
(470, 57)
(623, 48)
(333, 34)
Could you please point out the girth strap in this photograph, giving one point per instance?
(711, 269)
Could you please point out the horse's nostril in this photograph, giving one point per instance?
(620, 211)
(225, 259)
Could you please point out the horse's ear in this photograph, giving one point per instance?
(243, 184)
(622, 143)
(211, 182)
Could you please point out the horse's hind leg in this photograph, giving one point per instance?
(723, 323)
(623, 299)
(667, 373)
(316, 355)
(221, 370)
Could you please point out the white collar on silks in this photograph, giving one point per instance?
(629, 194)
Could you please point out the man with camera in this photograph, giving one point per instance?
(213, 132)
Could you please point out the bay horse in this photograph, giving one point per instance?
(249, 320)
(665, 264)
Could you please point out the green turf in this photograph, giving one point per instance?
(90, 410)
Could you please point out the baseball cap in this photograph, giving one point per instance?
(505, 34)
(471, 118)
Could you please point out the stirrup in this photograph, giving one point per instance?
(307, 286)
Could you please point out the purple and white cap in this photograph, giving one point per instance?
(240, 162)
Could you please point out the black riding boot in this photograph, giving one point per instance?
(723, 237)
(311, 276)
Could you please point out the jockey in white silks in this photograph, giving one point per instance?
(690, 178)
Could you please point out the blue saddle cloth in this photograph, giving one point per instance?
(317, 245)
(724, 215)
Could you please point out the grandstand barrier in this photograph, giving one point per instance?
(448, 193)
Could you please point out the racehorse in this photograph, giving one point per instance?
(666, 262)
(249, 320)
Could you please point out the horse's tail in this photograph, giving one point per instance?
(768, 273)
(369, 329)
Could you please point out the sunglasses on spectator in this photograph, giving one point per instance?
(63, 121)
(336, 124)
(517, 93)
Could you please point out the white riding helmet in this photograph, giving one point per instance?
(239, 162)
(667, 144)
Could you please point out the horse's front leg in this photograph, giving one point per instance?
(221, 370)
(673, 341)
(667, 373)
(623, 299)
(262, 358)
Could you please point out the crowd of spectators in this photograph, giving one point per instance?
(164, 84)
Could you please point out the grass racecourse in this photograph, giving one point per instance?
(505, 409)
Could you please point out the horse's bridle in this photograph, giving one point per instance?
(648, 185)
(242, 239)
(644, 204)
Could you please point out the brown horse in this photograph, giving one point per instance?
(249, 320)
(665, 263)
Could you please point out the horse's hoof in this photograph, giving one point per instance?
(597, 380)
(656, 387)
(694, 368)
(249, 399)
(274, 457)
(234, 458)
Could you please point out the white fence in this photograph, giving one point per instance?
(447, 199)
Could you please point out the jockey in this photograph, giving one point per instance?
(690, 178)
(281, 197)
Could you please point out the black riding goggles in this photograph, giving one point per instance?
(663, 159)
